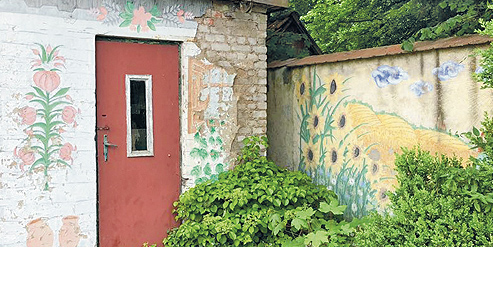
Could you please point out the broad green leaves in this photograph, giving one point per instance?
(259, 204)
(315, 239)
(333, 208)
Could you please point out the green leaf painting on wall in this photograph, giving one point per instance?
(208, 152)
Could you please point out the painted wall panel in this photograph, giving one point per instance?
(223, 100)
(343, 122)
(58, 208)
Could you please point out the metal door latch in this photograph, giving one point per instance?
(106, 145)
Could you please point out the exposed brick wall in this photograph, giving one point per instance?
(235, 40)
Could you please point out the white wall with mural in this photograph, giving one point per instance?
(48, 190)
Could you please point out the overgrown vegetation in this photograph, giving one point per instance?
(439, 202)
(485, 74)
(341, 25)
(260, 204)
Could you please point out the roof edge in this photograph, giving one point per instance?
(276, 3)
(383, 51)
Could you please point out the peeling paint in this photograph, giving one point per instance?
(39, 234)
(69, 235)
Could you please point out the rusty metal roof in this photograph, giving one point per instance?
(383, 51)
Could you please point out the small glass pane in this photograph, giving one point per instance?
(138, 115)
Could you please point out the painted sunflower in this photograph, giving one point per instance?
(316, 121)
(341, 120)
(356, 155)
(374, 173)
(302, 88)
(334, 159)
(333, 85)
(311, 154)
(382, 197)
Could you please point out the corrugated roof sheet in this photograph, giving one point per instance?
(383, 51)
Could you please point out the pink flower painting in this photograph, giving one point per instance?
(68, 114)
(28, 115)
(47, 80)
(103, 12)
(180, 14)
(55, 108)
(140, 18)
(26, 156)
(66, 152)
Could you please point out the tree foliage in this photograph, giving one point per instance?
(341, 25)
(485, 75)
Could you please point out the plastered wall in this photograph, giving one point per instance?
(53, 201)
(343, 122)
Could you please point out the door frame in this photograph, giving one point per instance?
(180, 83)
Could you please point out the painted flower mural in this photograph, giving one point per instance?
(421, 87)
(448, 70)
(138, 18)
(47, 116)
(387, 75)
(327, 153)
(333, 85)
(348, 147)
(301, 88)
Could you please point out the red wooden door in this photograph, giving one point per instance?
(138, 111)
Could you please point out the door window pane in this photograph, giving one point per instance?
(138, 116)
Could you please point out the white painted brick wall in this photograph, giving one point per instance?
(73, 190)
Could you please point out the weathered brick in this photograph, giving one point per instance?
(260, 49)
(260, 114)
(244, 48)
(262, 105)
(241, 40)
(220, 47)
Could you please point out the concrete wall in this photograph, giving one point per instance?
(342, 122)
(223, 70)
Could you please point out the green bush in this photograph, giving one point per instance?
(438, 201)
(259, 204)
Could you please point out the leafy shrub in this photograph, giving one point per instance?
(259, 204)
(438, 201)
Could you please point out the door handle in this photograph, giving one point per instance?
(106, 145)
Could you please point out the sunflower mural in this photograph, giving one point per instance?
(348, 147)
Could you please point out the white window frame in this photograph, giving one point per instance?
(150, 134)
